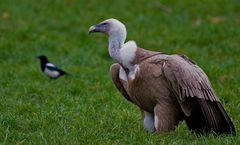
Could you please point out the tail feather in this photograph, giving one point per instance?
(207, 116)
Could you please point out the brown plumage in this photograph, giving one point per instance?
(167, 88)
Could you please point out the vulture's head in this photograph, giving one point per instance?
(111, 27)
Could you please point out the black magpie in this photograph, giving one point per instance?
(49, 69)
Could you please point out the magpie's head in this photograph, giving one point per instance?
(43, 58)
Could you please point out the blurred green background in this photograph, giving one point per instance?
(87, 108)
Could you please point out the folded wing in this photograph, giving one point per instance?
(203, 110)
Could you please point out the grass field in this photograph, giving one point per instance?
(87, 108)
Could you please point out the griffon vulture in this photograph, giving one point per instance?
(167, 88)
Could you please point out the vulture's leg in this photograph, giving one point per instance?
(165, 118)
(148, 121)
(119, 83)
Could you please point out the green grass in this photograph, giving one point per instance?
(87, 108)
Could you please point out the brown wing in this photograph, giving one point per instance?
(187, 79)
(192, 87)
(114, 72)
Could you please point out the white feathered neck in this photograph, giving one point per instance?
(123, 53)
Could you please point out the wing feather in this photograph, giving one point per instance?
(192, 86)
(114, 72)
(53, 67)
(188, 79)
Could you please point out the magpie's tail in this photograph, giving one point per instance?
(71, 75)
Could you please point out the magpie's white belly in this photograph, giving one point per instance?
(50, 73)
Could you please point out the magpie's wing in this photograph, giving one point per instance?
(53, 67)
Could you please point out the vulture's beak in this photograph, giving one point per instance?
(102, 27)
(92, 29)
(95, 28)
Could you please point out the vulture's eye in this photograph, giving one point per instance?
(103, 24)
